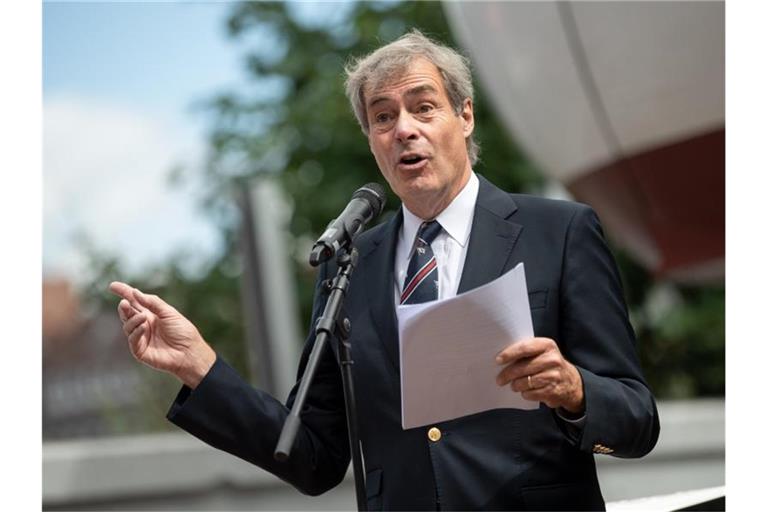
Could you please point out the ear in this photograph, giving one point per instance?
(468, 118)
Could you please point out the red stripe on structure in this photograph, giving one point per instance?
(418, 278)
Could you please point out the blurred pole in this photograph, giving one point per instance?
(268, 289)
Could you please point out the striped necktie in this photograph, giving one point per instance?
(421, 280)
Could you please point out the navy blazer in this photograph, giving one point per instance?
(501, 459)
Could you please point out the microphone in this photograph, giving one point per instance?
(367, 203)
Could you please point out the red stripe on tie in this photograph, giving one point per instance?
(418, 278)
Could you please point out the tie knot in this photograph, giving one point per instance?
(429, 230)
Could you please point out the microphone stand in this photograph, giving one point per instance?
(324, 329)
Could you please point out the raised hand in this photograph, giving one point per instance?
(161, 337)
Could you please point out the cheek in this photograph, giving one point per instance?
(383, 167)
(378, 149)
(381, 161)
(457, 144)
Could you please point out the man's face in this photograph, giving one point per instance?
(418, 140)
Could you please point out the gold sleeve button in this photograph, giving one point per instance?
(599, 448)
(434, 434)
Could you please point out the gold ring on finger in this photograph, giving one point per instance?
(530, 384)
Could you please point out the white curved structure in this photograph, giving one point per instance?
(622, 102)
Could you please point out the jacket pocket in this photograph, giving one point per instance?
(538, 298)
(373, 489)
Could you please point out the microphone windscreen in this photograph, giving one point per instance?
(374, 193)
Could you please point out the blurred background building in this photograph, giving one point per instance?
(183, 148)
(85, 366)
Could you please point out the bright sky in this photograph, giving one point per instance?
(120, 81)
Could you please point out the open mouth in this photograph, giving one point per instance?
(411, 159)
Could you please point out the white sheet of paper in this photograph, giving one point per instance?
(448, 349)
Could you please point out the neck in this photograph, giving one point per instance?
(428, 208)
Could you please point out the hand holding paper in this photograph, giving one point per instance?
(538, 370)
(448, 351)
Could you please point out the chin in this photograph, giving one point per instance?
(417, 183)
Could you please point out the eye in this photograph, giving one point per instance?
(425, 108)
(382, 117)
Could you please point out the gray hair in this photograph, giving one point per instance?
(377, 68)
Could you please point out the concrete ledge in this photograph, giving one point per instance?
(141, 465)
(691, 444)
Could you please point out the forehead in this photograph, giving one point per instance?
(418, 76)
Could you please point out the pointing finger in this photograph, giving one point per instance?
(153, 303)
(121, 289)
(127, 292)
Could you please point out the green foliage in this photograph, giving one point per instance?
(682, 347)
(684, 355)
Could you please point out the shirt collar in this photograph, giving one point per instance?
(456, 218)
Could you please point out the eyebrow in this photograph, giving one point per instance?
(415, 91)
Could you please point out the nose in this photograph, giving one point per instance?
(406, 128)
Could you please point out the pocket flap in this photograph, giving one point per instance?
(538, 298)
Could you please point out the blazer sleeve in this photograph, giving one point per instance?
(227, 413)
(596, 336)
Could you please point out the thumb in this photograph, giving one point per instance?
(153, 303)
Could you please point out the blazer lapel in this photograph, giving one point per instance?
(380, 262)
(492, 237)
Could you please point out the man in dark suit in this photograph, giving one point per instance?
(455, 231)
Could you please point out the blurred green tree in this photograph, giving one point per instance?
(680, 332)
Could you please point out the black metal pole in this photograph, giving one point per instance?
(345, 363)
(326, 325)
